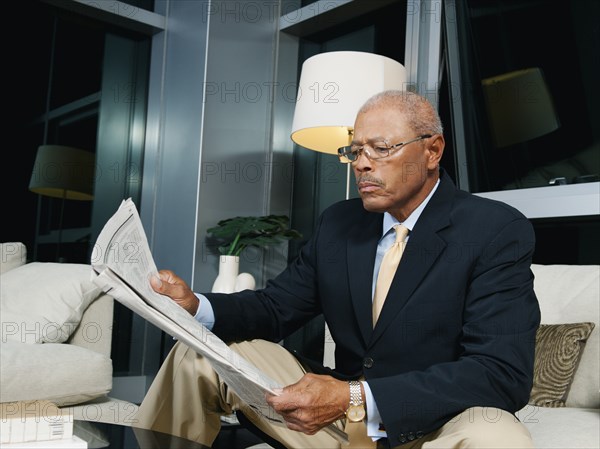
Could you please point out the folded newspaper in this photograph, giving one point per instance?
(123, 264)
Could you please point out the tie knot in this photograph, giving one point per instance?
(401, 233)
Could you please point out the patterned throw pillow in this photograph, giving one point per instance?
(558, 348)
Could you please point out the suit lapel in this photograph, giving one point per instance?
(361, 249)
(422, 250)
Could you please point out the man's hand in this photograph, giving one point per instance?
(311, 403)
(171, 285)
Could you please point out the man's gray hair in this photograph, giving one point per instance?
(420, 114)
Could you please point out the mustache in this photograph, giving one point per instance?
(370, 179)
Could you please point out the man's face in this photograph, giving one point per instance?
(399, 182)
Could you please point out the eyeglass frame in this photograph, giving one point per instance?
(344, 151)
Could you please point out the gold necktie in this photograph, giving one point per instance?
(389, 263)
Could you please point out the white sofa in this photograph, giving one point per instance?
(567, 294)
(79, 370)
(56, 331)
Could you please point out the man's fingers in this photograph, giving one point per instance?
(169, 277)
(163, 280)
(156, 282)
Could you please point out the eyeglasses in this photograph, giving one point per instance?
(380, 150)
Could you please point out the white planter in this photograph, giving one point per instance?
(229, 279)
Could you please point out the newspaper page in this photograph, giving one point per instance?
(123, 263)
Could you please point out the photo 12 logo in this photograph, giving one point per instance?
(256, 92)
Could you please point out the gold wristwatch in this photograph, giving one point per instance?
(356, 409)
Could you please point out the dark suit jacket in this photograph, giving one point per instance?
(457, 329)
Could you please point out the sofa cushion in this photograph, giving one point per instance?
(559, 428)
(42, 302)
(12, 255)
(569, 294)
(63, 374)
(558, 348)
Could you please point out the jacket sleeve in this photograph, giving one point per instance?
(283, 306)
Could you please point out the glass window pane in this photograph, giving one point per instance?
(529, 92)
(77, 65)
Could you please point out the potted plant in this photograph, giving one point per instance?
(233, 235)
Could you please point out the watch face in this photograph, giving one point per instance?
(356, 413)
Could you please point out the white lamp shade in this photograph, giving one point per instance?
(519, 107)
(333, 86)
(63, 172)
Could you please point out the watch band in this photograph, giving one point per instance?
(355, 393)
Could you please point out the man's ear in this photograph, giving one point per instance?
(435, 150)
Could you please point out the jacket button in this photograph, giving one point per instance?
(368, 362)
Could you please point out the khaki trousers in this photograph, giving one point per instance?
(187, 399)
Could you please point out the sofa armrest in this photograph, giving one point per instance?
(95, 329)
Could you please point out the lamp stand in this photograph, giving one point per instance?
(349, 166)
(60, 224)
(348, 171)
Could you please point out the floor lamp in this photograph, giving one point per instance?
(520, 108)
(333, 86)
(62, 172)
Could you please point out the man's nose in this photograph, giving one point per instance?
(363, 163)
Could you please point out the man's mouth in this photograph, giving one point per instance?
(367, 187)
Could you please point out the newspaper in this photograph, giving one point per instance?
(123, 264)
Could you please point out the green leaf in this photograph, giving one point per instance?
(234, 234)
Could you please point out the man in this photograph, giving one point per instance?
(446, 362)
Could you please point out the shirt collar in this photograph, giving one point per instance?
(389, 221)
